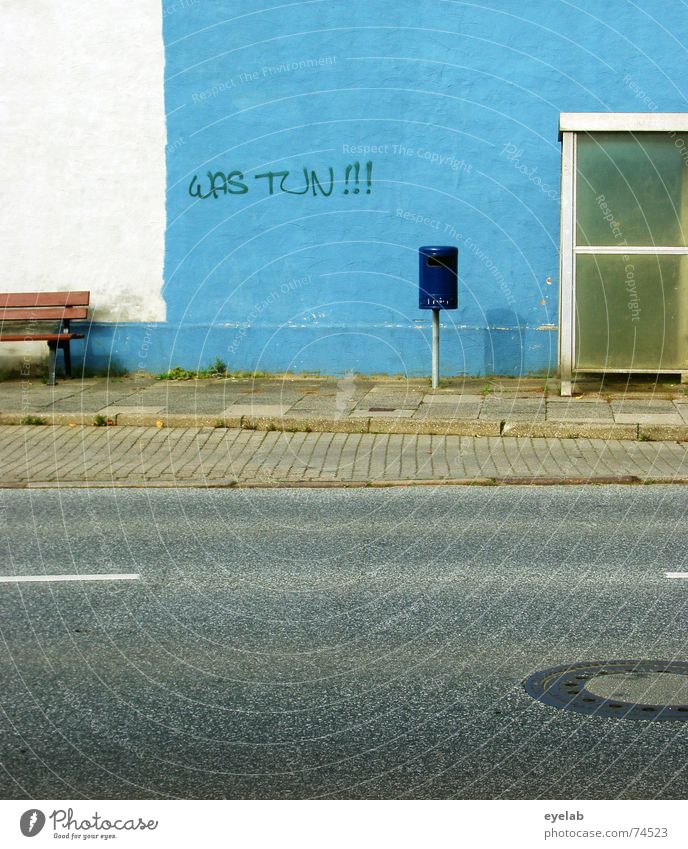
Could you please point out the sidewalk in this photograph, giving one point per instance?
(461, 407)
(352, 431)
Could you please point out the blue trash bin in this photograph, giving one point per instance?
(437, 279)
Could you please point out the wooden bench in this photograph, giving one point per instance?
(45, 317)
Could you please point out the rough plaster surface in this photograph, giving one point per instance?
(457, 107)
(82, 149)
(455, 104)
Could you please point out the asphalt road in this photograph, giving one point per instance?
(334, 643)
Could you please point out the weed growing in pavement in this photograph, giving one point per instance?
(33, 420)
(216, 369)
(101, 421)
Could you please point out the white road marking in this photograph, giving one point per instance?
(676, 575)
(15, 579)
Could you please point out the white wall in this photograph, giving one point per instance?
(82, 146)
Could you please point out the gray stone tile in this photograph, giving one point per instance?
(649, 406)
(117, 409)
(79, 402)
(447, 411)
(395, 388)
(255, 410)
(385, 414)
(648, 418)
(578, 411)
(504, 409)
(449, 398)
(320, 405)
(401, 400)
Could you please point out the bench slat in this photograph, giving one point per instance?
(44, 299)
(40, 337)
(42, 314)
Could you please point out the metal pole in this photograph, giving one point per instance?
(435, 349)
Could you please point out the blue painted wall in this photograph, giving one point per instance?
(456, 106)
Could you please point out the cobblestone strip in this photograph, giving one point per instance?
(364, 448)
(225, 445)
(148, 450)
(280, 447)
(14, 449)
(562, 452)
(63, 449)
(178, 452)
(661, 462)
(98, 461)
(329, 468)
(512, 451)
(128, 454)
(190, 464)
(64, 454)
(317, 458)
(241, 452)
(30, 441)
(347, 458)
(291, 457)
(424, 457)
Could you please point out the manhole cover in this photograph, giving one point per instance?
(628, 689)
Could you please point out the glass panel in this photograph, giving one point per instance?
(631, 311)
(632, 189)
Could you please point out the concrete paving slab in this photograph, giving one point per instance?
(381, 414)
(449, 398)
(21, 387)
(255, 410)
(264, 401)
(390, 388)
(648, 418)
(650, 405)
(448, 412)
(329, 411)
(515, 405)
(95, 400)
(116, 409)
(579, 413)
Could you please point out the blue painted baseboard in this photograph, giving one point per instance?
(403, 350)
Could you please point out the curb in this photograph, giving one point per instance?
(417, 427)
(232, 483)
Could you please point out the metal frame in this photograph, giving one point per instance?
(570, 124)
(623, 122)
(53, 347)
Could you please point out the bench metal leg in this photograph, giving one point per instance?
(52, 358)
(67, 359)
